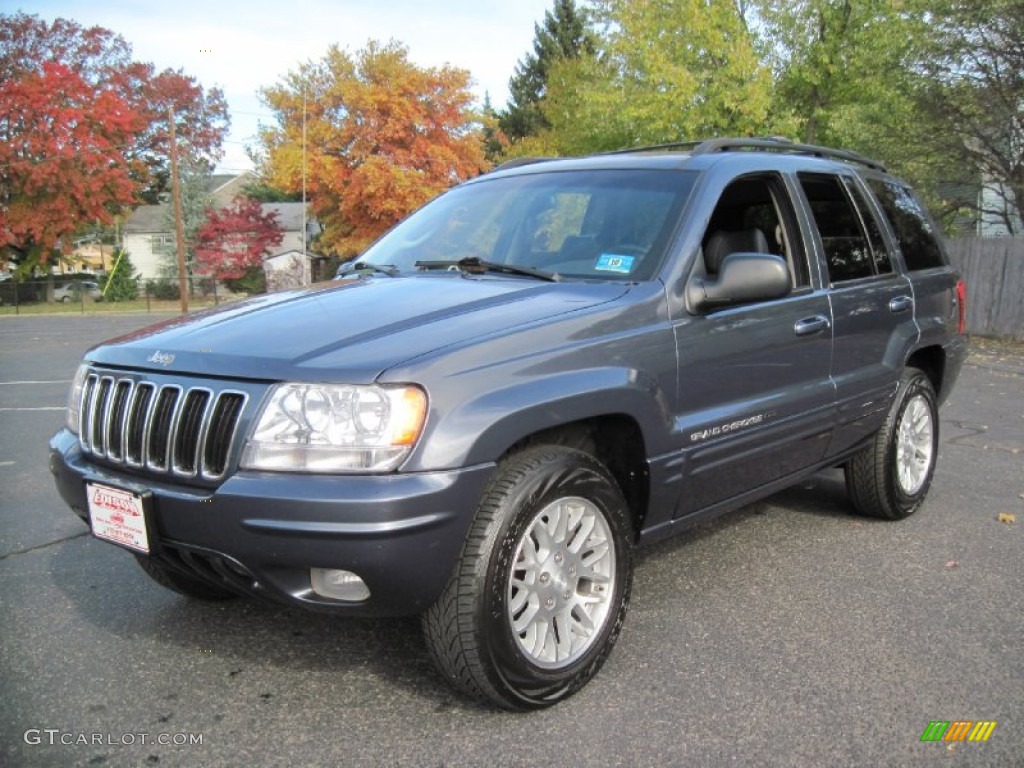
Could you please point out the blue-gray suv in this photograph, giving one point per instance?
(482, 416)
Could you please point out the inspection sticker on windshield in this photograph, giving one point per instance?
(610, 262)
(117, 516)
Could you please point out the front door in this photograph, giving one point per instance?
(756, 401)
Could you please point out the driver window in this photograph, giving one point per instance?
(753, 215)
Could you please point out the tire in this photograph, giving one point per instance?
(65, 299)
(525, 636)
(890, 477)
(181, 583)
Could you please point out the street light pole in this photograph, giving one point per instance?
(306, 277)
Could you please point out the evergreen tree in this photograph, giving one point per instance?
(563, 35)
(495, 140)
(121, 284)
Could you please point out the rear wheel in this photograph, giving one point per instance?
(538, 597)
(181, 583)
(890, 477)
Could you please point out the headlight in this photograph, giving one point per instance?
(75, 398)
(336, 428)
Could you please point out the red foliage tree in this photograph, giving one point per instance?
(236, 238)
(84, 130)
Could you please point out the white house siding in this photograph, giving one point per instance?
(140, 250)
(991, 223)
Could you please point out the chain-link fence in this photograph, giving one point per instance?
(87, 294)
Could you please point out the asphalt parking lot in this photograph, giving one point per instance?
(788, 633)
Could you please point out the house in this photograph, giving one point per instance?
(998, 217)
(148, 238)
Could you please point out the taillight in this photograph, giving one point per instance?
(961, 305)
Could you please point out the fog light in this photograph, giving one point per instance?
(338, 585)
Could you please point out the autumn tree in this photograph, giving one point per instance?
(235, 239)
(564, 34)
(664, 71)
(84, 130)
(383, 136)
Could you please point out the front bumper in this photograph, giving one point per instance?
(260, 533)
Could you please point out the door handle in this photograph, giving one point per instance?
(811, 325)
(901, 304)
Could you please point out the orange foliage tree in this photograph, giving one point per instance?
(383, 136)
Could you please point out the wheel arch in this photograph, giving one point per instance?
(931, 361)
(617, 442)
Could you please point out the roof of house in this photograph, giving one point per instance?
(147, 219)
(289, 215)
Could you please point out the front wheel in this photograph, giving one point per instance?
(890, 477)
(538, 597)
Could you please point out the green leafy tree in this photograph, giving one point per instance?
(845, 69)
(121, 283)
(973, 105)
(564, 34)
(664, 71)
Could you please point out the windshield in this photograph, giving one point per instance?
(608, 225)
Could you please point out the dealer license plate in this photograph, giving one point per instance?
(118, 516)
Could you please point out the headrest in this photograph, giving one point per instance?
(722, 243)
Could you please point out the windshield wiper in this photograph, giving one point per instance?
(477, 266)
(364, 267)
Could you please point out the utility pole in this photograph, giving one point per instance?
(179, 227)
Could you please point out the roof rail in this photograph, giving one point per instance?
(652, 148)
(516, 162)
(781, 144)
(766, 143)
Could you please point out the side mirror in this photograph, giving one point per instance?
(743, 277)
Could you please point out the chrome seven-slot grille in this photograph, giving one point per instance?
(163, 428)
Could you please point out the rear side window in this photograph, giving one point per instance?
(883, 261)
(913, 229)
(847, 248)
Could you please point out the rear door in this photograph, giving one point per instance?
(872, 303)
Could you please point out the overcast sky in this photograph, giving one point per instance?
(243, 45)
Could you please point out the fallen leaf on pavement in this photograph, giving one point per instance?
(952, 564)
(1006, 517)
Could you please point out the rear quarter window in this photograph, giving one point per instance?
(914, 230)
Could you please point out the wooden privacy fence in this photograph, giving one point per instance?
(994, 270)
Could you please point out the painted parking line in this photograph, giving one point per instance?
(40, 408)
(6, 463)
(49, 381)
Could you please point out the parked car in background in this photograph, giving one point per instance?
(74, 290)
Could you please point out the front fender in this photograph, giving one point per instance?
(481, 428)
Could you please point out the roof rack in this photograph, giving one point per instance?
(781, 144)
(766, 143)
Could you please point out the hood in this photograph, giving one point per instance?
(347, 331)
